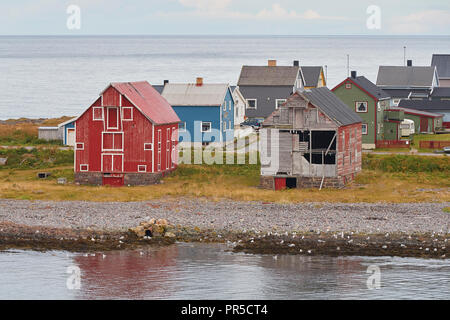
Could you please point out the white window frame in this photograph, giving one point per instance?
(93, 114)
(224, 107)
(276, 102)
(132, 115)
(248, 104)
(159, 149)
(172, 137)
(87, 167)
(210, 126)
(229, 105)
(348, 86)
(184, 129)
(76, 145)
(140, 166)
(229, 124)
(367, 128)
(148, 144)
(224, 126)
(114, 134)
(117, 120)
(357, 103)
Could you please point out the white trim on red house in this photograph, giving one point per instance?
(113, 133)
(117, 119)
(144, 166)
(123, 117)
(93, 114)
(84, 170)
(76, 145)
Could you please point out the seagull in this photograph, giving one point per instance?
(309, 251)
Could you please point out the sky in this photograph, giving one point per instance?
(230, 17)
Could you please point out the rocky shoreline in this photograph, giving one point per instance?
(413, 229)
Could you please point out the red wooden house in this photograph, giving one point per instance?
(128, 136)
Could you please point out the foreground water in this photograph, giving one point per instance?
(55, 76)
(210, 271)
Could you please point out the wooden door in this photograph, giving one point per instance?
(423, 124)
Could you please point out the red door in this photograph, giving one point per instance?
(112, 163)
(113, 118)
(423, 124)
(280, 183)
(113, 180)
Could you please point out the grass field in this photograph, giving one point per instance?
(24, 132)
(391, 179)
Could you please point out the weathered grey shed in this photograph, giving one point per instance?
(50, 133)
(313, 140)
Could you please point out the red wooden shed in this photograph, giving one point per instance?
(128, 136)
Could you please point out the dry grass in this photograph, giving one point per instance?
(233, 182)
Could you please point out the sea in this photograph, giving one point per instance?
(211, 271)
(52, 76)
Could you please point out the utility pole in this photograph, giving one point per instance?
(404, 55)
(348, 65)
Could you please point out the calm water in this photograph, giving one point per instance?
(54, 76)
(205, 271)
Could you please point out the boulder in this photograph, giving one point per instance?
(3, 161)
(169, 235)
(138, 231)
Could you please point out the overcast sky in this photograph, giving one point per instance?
(234, 17)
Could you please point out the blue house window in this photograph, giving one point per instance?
(206, 126)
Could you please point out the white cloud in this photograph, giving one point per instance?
(219, 9)
(206, 5)
(422, 22)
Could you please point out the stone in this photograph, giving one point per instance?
(62, 180)
(3, 161)
(138, 231)
(162, 222)
(169, 235)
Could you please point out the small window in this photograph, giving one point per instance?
(206, 126)
(396, 101)
(364, 128)
(229, 105)
(224, 125)
(361, 106)
(84, 167)
(251, 103)
(79, 146)
(229, 124)
(142, 168)
(182, 126)
(279, 102)
(348, 86)
(148, 146)
(97, 113)
(127, 113)
(224, 106)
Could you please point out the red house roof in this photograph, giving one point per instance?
(148, 101)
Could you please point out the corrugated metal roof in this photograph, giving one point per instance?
(442, 64)
(311, 75)
(67, 122)
(268, 76)
(441, 92)
(394, 76)
(148, 100)
(426, 105)
(423, 113)
(190, 94)
(370, 87)
(404, 93)
(331, 105)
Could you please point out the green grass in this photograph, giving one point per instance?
(407, 163)
(37, 158)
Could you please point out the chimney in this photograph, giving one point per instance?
(199, 81)
(296, 64)
(272, 63)
(409, 63)
(354, 74)
(166, 82)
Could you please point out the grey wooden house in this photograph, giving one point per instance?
(313, 140)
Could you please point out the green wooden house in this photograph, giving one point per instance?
(372, 104)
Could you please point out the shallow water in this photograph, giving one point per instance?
(210, 271)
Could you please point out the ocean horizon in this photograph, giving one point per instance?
(55, 75)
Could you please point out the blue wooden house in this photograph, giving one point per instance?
(67, 130)
(206, 111)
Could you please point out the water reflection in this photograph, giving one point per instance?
(209, 271)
